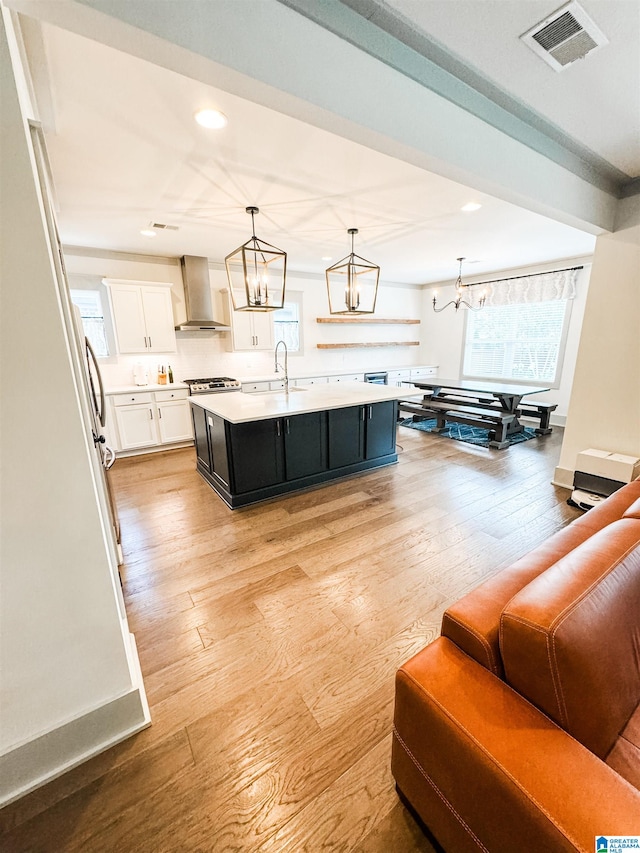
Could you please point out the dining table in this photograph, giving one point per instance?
(480, 394)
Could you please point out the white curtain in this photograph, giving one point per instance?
(544, 287)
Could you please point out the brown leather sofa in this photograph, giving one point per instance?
(519, 728)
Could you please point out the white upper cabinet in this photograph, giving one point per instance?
(142, 316)
(250, 330)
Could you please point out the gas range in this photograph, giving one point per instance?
(212, 385)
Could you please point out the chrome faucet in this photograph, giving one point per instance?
(286, 364)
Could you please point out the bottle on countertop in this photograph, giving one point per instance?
(170, 374)
(162, 375)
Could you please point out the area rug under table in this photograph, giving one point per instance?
(468, 434)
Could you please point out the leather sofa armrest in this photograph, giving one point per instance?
(484, 769)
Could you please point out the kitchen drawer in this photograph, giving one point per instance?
(348, 377)
(276, 385)
(396, 377)
(175, 394)
(422, 372)
(252, 387)
(130, 399)
(312, 380)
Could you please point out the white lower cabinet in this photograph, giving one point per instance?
(174, 421)
(312, 380)
(152, 418)
(136, 426)
(423, 372)
(253, 387)
(347, 377)
(397, 377)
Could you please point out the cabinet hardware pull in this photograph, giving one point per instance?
(151, 413)
(149, 341)
(145, 342)
(288, 426)
(370, 411)
(159, 413)
(278, 428)
(362, 414)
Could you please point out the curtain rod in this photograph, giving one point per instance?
(513, 277)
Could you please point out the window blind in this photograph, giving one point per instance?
(519, 342)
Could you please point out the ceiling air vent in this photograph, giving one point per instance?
(161, 226)
(566, 35)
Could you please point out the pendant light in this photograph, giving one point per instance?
(256, 272)
(352, 284)
(459, 301)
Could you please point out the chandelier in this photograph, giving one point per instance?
(459, 301)
(256, 272)
(352, 284)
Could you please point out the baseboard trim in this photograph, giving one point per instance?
(32, 764)
(563, 477)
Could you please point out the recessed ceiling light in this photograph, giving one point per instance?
(213, 119)
(471, 206)
(148, 232)
(326, 257)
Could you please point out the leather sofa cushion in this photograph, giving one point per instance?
(633, 511)
(570, 640)
(473, 622)
(624, 758)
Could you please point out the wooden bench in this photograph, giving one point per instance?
(541, 411)
(496, 422)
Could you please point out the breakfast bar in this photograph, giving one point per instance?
(251, 447)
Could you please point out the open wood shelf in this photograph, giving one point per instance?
(376, 344)
(389, 321)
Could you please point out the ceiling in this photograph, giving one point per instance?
(595, 100)
(125, 152)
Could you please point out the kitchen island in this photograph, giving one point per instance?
(251, 447)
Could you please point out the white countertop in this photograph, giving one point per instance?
(238, 408)
(152, 386)
(273, 377)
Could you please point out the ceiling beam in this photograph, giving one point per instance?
(271, 54)
(381, 31)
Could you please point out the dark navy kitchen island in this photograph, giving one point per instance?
(251, 447)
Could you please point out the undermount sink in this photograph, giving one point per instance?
(278, 391)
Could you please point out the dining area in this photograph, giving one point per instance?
(497, 407)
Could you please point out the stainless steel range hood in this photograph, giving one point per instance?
(197, 297)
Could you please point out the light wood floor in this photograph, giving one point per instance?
(269, 637)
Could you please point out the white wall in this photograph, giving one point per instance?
(65, 653)
(605, 406)
(444, 332)
(208, 354)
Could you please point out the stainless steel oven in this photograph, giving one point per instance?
(212, 385)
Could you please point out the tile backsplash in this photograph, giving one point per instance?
(199, 355)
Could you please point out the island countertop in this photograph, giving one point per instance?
(237, 407)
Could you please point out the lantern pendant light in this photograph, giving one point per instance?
(256, 272)
(352, 284)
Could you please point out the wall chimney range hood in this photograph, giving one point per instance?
(197, 297)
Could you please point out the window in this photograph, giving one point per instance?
(287, 325)
(522, 342)
(90, 305)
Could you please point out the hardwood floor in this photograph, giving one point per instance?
(269, 638)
